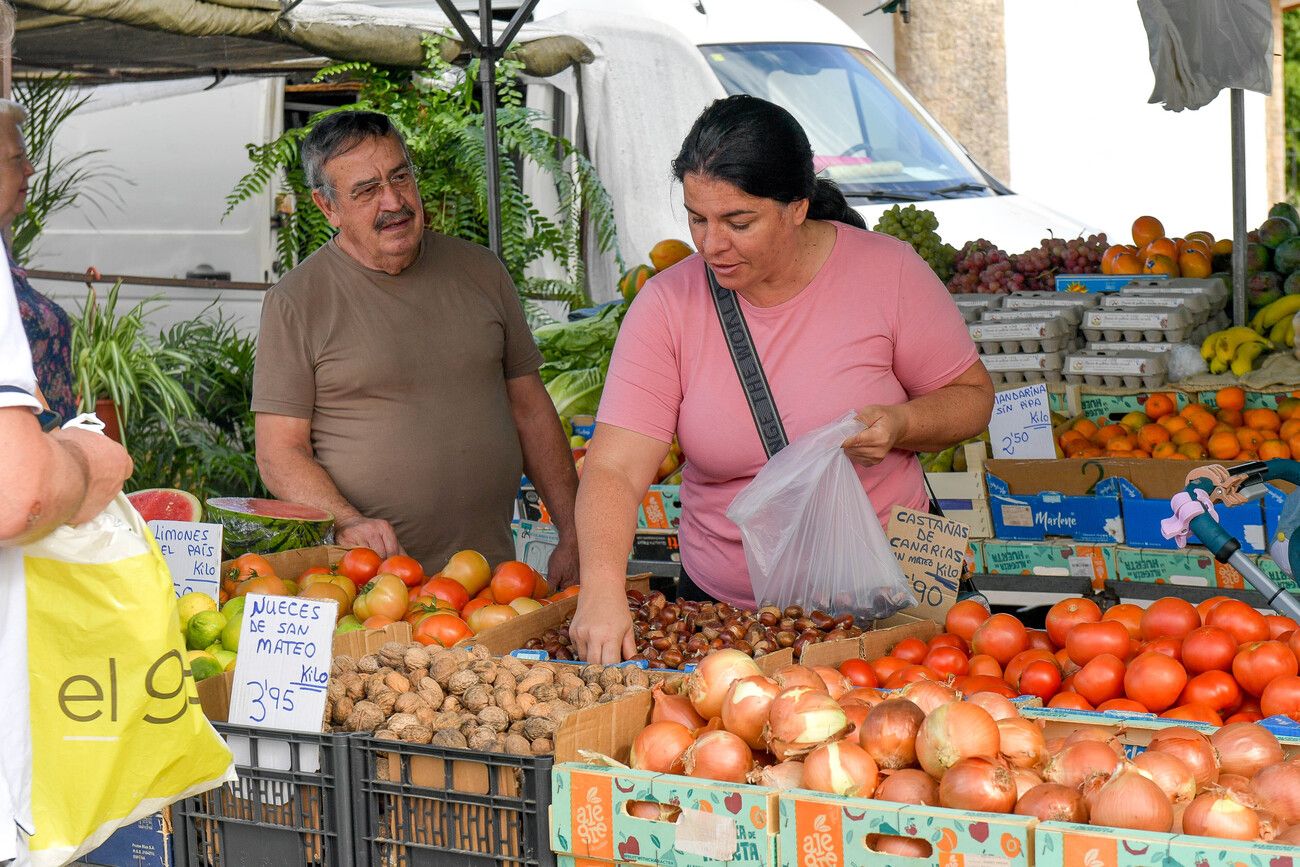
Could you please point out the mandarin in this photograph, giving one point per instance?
(1229, 416)
(1146, 229)
(1288, 407)
(1249, 438)
(1152, 435)
(1186, 435)
(1193, 451)
(1289, 428)
(1230, 397)
(1164, 450)
(1271, 449)
(1161, 264)
(1160, 405)
(1294, 445)
(1109, 432)
(1203, 423)
(1161, 247)
(1193, 409)
(1085, 427)
(1223, 446)
(1262, 419)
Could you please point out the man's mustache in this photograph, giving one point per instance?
(388, 218)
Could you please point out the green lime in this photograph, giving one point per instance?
(348, 623)
(234, 607)
(230, 634)
(204, 628)
(203, 665)
(225, 658)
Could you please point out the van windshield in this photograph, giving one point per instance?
(866, 134)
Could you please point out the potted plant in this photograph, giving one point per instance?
(118, 373)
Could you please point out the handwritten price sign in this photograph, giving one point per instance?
(283, 667)
(193, 554)
(932, 552)
(1021, 426)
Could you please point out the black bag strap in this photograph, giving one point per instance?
(748, 367)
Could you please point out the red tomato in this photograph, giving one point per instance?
(885, 666)
(251, 566)
(910, 674)
(1170, 647)
(1068, 665)
(385, 596)
(1195, 713)
(911, 650)
(377, 621)
(1040, 678)
(859, 672)
(1087, 641)
(1208, 648)
(973, 683)
(1259, 662)
(1244, 716)
(1169, 617)
(1022, 659)
(1216, 690)
(1282, 696)
(1127, 705)
(513, 580)
(473, 605)
(1155, 680)
(449, 591)
(360, 564)
(1002, 636)
(1293, 642)
(404, 567)
(325, 570)
(442, 630)
(947, 660)
(1071, 700)
(1066, 614)
(1102, 678)
(950, 640)
(1249, 703)
(1240, 620)
(1128, 614)
(489, 616)
(1040, 640)
(1205, 606)
(964, 618)
(985, 665)
(1278, 625)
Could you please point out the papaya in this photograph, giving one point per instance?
(668, 253)
(633, 279)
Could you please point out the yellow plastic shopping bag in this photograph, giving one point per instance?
(117, 729)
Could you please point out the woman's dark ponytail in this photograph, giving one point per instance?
(828, 203)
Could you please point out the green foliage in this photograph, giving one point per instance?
(211, 454)
(439, 113)
(60, 182)
(1291, 99)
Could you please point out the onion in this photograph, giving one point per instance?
(868, 696)
(643, 810)
(1101, 736)
(954, 732)
(1291, 836)
(1219, 814)
(1170, 773)
(856, 714)
(891, 844)
(794, 674)
(801, 719)
(1078, 761)
(977, 783)
(841, 768)
(1277, 791)
(719, 756)
(659, 747)
(1025, 780)
(707, 685)
(1130, 800)
(998, 706)
(888, 733)
(1245, 748)
(783, 775)
(1235, 783)
(1022, 743)
(1193, 748)
(836, 683)
(745, 707)
(928, 695)
(1052, 802)
(909, 786)
(674, 708)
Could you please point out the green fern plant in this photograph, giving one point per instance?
(439, 113)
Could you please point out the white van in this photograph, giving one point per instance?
(658, 63)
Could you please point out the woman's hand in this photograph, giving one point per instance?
(886, 425)
(601, 630)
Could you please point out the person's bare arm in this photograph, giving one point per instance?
(289, 468)
(619, 467)
(548, 461)
(66, 477)
(929, 423)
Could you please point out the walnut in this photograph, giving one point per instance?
(368, 664)
(342, 710)
(426, 715)
(375, 684)
(578, 696)
(476, 697)
(393, 654)
(432, 693)
(443, 720)
(478, 651)
(408, 702)
(495, 718)
(506, 700)
(415, 675)
(399, 721)
(618, 689)
(482, 738)
(451, 704)
(365, 717)
(355, 687)
(387, 735)
(416, 734)
(556, 710)
(635, 688)
(538, 676)
(449, 738)
(336, 690)
(568, 680)
(385, 701)
(398, 682)
(635, 677)
(545, 692)
(611, 676)
(592, 672)
(526, 700)
(468, 725)
(443, 666)
(543, 747)
(516, 728)
(515, 666)
(416, 657)
(343, 664)
(539, 727)
(461, 681)
(505, 680)
(500, 745)
(486, 670)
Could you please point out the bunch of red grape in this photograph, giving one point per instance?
(981, 267)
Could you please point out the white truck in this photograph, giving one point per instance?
(658, 63)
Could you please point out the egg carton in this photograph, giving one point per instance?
(1034, 335)
(972, 306)
(1072, 315)
(1197, 306)
(1015, 368)
(1029, 300)
(1134, 324)
(1118, 369)
(1211, 288)
(1106, 346)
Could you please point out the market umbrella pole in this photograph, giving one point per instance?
(1237, 110)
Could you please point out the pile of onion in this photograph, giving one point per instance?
(953, 732)
(800, 719)
(707, 685)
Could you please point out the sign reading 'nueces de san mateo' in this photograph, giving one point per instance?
(283, 668)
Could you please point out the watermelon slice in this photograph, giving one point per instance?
(166, 504)
(257, 526)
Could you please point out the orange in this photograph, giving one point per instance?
(1161, 247)
(1201, 235)
(1159, 405)
(1262, 419)
(1186, 435)
(1110, 432)
(1193, 409)
(1109, 256)
(1193, 451)
(1203, 423)
(1273, 449)
(1126, 263)
(1247, 456)
(1120, 444)
(1224, 428)
(1173, 423)
(1230, 397)
(1090, 452)
(1085, 427)
(1250, 439)
(1294, 445)
(1072, 441)
(1152, 435)
(1222, 247)
(1288, 407)
(1158, 263)
(1147, 229)
(1223, 446)
(1290, 428)
(1164, 450)
(1194, 263)
(1229, 416)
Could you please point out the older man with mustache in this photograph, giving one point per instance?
(396, 383)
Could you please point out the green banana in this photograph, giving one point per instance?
(1244, 362)
(1280, 309)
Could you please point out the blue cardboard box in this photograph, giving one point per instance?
(1101, 282)
(1143, 514)
(1274, 499)
(1035, 500)
(146, 843)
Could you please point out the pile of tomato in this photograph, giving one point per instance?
(1218, 662)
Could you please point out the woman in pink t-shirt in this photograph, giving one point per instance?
(841, 319)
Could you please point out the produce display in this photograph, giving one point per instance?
(673, 634)
(259, 526)
(981, 267)
(166, 504)
(1153, 252)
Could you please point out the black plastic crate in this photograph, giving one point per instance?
(291, 806)
(426, 806)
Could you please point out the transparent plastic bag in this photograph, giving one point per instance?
(811, 536)
(1199, 47)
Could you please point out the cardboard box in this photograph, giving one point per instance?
(1091, 562)
(871, 645)
(964, 496)
(1100, 282)
(1036, 499)
(1145, 489)
(146, 843)
(1254, 399)
(1274, 571)
(1193, 567)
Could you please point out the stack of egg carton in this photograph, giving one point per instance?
(1027, 338)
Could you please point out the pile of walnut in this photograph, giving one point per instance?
(465, 698)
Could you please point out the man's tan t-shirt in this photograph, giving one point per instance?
(403, 378)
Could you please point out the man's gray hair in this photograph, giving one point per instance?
(338, 134)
